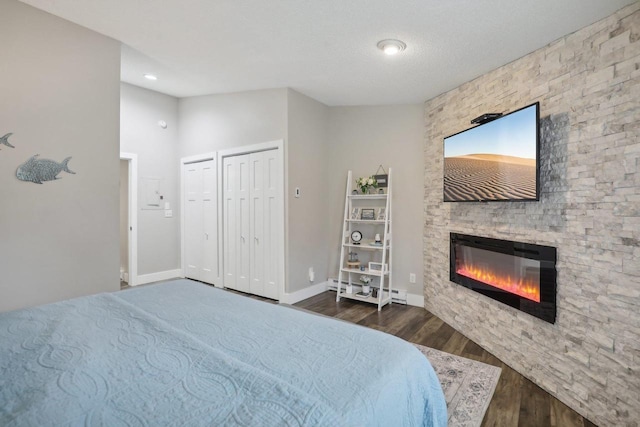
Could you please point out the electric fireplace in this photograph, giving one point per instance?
(518, 274)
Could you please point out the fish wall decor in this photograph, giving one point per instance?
(5, 140)
(39, 170)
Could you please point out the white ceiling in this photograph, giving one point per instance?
(325, 49)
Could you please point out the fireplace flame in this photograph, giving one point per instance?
(526, 288)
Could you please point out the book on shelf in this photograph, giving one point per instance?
(363, 295)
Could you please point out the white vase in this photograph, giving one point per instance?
(366, 288)
(349, 289)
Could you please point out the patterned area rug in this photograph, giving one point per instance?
(468, 386)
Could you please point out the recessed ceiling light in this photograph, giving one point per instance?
(150, 77)
(391, 47)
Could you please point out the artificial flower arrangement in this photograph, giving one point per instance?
(365, 284)
(365, 183)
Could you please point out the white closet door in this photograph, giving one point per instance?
(256, 207)
(230, 236)
(273, 212)
(193, 239)
(210, 265)
(200, 212)
(252, 223)
(243, 259)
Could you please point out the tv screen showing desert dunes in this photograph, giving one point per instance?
(494, 161)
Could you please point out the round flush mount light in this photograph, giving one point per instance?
(150, 77)
(391, 46)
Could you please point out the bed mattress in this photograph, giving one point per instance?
(184, 353)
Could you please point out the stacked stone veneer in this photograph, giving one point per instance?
(588, 87)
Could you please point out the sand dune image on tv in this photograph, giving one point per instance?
(496, 160)
(489, 177)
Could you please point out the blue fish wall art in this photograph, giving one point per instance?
(39, 170)
(5, 140)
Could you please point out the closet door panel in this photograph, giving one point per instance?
(256, 179)
(230, 234)
(210, 270)
(273, 214)
(243, 265)
(193, 241)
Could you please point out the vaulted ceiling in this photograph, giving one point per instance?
(325, 49)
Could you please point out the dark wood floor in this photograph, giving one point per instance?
(516, 402)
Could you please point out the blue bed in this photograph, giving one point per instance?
(183, 353)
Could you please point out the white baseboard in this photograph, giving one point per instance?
(415, 300)
(400, 296)
(303, 294)
(160, 275)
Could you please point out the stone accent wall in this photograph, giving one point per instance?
(588, 87)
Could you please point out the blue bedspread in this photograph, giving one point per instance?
(186, 354)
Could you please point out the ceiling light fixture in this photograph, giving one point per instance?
(391, 46)
(150, 77)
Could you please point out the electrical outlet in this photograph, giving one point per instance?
(412, 278)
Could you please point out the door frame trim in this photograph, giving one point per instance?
(132, 159)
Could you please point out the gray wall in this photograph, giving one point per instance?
(60, 95)
(216, 122)
(157, 150)
(321, 145)
(588, 87)
(307, 216)
(360, 139)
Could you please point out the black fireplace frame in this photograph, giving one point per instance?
(546, 255)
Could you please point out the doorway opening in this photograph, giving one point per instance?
(128, 220)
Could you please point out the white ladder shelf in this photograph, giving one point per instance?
(380, 254)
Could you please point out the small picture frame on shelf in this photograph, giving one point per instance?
(377, 266)
(355, 213)
(368, 214)
(382, 214)
(382, 180)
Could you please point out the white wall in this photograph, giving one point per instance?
(307, 219)
(157, 150)
(360, 139)
(216, 122)
(321, 145)
(60, 96)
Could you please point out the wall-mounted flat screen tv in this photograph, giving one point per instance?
(495, 161)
